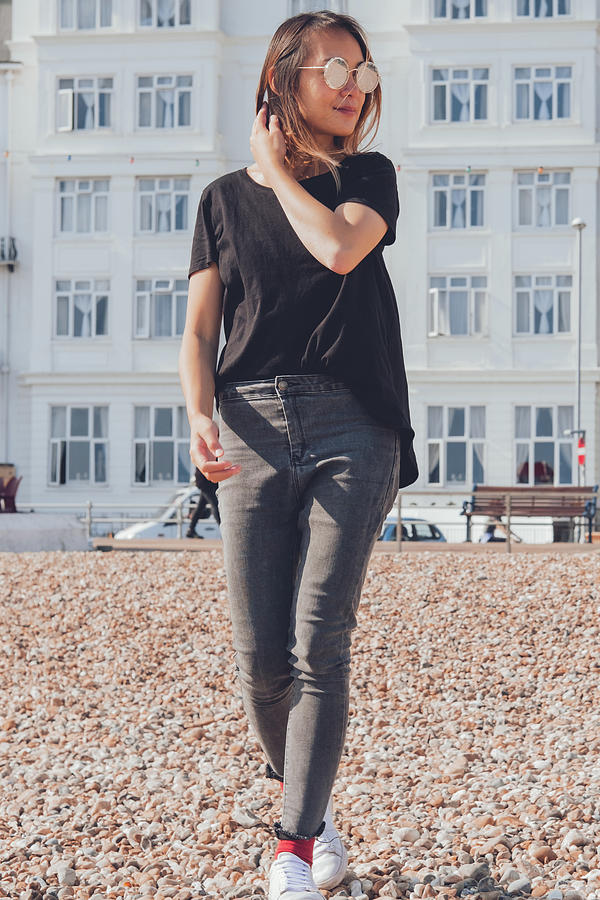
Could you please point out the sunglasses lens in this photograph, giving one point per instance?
(336, 74)
(367, 77)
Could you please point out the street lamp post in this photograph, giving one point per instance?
(579, 225)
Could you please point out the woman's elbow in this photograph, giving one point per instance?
(342, 262)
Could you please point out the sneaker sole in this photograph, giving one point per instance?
(338, 877)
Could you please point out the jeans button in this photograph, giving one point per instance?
(282, 385)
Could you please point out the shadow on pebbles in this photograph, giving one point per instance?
(471, 766)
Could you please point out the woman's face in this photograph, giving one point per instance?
(330, 113)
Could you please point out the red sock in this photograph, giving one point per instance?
(302, 848)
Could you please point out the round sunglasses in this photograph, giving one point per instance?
(336, 73)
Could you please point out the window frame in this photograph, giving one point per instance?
(448, 17)
(466, 438)
(531, 80)
(96, 293)
(154, 25)
(97, 196)
(531, 288)
(146, 297)
(66, 100)
(175, 194)
(448, 189)
(153, 90)
(556, 440)
(531, 14)
(98, 4)
(433, 306)
(533, 188)
(67, 439)
(178, 415)
(448, 82)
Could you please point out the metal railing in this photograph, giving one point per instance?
(128, 513)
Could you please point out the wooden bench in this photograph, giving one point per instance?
(541, 500)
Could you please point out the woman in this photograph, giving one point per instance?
(314, 436)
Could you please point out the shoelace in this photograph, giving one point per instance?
(296, 873)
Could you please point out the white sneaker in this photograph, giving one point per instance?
(330, 857)
(290, 878)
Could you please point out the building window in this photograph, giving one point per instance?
(161, 444)
(84, 104)
(543, 198)
(460, 95)
(543, 445)
(307, 6)
(543, 9)
(456, 444)
(458, 200)
(83, 205)
(78, 444)
(543, 304)
(543, 93)
(160, 307)
(83, 14)
(459, 9)
(163, 204)
(164, 101)
(165, 13)
(457, 305)
(81, 308)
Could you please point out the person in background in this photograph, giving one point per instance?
(207, 498)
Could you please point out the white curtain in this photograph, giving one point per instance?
(460, 94)
(440, 8)
(542, 100)
(459, 312)
(478, 421)
(478, 473)
(162, 315)
(543, 302)
(84, 212)
(142, 421)
(163, 212)
(435, 421)
(522, 421)
(165, 113)
(86, 13)
(543, 8)
(544, 202)
(146, 12)
(460, 9)
(459, 200)
(166, 12)
(101, 421)
(83, 315)
(522, 474)
(85, 110)
(522, 101)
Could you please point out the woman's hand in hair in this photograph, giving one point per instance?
(267, 143)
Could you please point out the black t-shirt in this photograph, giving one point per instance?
(284, 313)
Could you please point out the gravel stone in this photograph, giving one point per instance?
(129, 772)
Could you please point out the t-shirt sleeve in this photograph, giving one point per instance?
(204, 244)
(372, 181)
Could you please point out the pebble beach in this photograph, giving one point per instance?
(472, 758)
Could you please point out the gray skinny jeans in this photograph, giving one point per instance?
(299, 522)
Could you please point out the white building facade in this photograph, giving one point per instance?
(123, 110)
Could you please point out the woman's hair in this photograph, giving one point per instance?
(289, 48)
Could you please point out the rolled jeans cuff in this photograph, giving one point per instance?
(271, 773)
(292, 836)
